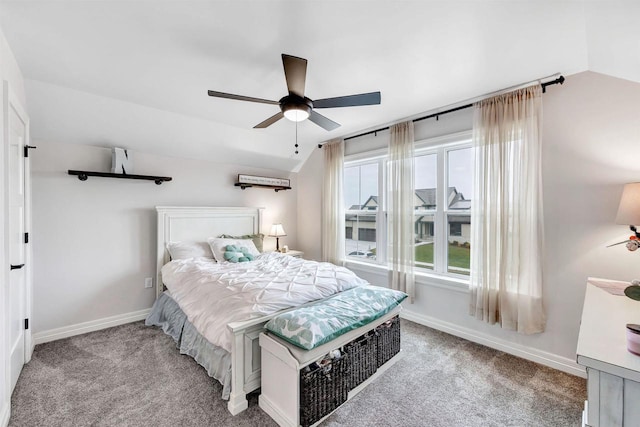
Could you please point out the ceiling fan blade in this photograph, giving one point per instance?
(371, 98)
(323, 122)
(295, 71)
(271, 120)
(241, 98)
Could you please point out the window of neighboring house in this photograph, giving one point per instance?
(442, 208)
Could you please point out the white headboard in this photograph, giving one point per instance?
(197, 224)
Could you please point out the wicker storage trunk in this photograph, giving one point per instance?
(321, 393)
(294, 395)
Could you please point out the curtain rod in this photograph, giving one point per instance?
(469, 104)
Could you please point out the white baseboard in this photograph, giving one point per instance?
(542, 357)
(85, 327)
(5, 414)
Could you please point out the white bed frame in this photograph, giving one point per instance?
(197, 224)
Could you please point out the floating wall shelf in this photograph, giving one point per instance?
(83, 175)
(277, 188)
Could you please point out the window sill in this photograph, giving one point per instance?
(366, 266)
(442, 281)
(422, 278)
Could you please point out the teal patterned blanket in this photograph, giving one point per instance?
(309, 327)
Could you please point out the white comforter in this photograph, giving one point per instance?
(213, 295)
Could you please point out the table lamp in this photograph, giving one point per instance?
(277, 231)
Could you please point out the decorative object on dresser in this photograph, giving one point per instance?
(248, 181)
(629, 214)
(613, 372)
(277, 231)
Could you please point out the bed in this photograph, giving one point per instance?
(230, 350)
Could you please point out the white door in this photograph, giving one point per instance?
(16, 132)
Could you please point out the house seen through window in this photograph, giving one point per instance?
(442, 209)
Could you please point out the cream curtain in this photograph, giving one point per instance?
(400, 200)
(333, 233)
(506, 212)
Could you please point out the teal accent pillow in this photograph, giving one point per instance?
(235, 253)
(257, 239)
(309, 327)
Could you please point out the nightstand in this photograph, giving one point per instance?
(294, 253)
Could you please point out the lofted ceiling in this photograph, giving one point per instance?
(135, 74)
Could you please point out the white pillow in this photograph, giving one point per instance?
(218, 245)
(185, 250)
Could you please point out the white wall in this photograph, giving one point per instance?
(590, 149)
(10, 72)
(94, 241)
(613, 37)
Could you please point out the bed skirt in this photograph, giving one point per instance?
(166, 314)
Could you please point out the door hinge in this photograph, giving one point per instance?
(26, 149)
(26, 324)
(26, 237)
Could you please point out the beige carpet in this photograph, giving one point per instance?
(132, 375)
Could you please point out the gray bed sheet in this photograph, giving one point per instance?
(167, 314)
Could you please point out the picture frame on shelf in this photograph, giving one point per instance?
(263, 180)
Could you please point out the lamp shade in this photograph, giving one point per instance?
(277, 231)
(629, 209)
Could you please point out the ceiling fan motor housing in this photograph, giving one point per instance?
(296, 103)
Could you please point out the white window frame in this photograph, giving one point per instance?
(440, 146)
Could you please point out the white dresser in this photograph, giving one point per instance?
(613, 374)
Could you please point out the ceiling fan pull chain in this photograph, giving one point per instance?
(296, 137)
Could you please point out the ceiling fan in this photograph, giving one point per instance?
(297, 107)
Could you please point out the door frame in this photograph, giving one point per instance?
(12, 103)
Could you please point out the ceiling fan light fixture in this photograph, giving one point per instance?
(296, 112)
(296, 115)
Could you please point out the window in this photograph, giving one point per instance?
(361, 189)
(459, 186)
(442, 210)
(426, 202)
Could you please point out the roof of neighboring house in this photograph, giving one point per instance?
(366, 204)
(457, 200)
(373, 199)
(428, 198)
